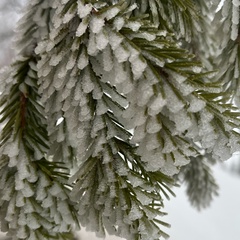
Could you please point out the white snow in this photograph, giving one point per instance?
(138, 65)
(234, 32)
(135, 180)
(112, 12)
(87, 83)
(96, 24)
(102, 40)
(152, 141)
(172, 98)
(107, 59)
(19, 184)
(48, 202)
(28, 190)
(55, 189)
(236, 3)
(153, 125)
(169, 146)
(32, 222)
(83, 59)
(144, 93)
(28, 207)
(135, 212)
(72, 60)
(135, 25)
(157, 105)
(182, 120)
(116, 39)
(92, 45)
(220, 5)
(55, 59)
(69, 16)
(121, 53)
(11, 149)
(82, 27)
(102, 107)
(120, 73)
(196, 105)
(22, 232)
(22, 220)
(11, 209)
(118, 23)
(143, 198)
(20, 200)
(84, 9)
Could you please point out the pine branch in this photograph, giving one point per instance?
(223, 42)
(26, 176)
(33, 193)
(181, 78)
(201, 185)
(176, 16)
(120, 197)
(89, 101)
(104, 92)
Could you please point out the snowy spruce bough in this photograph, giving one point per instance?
(107, 106)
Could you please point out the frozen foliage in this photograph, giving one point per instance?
(31, 208)
(226, 55)
(231, 19)
(27, 192)
(201, 185)
(103, 91)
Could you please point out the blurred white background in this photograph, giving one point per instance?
(221, 221)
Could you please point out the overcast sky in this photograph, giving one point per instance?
(219, 222)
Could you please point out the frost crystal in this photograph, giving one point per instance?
(97, 24)
(82, 27)
(134, 26)
(112, 12)
(153, 125)
(119, 23)
(121, 53)
(32, 222)
(135, 212)
(100, 93)
(12, 149)
(115, 40)
(196, 105)
(84, 9)
(156, 105)
(138, 66)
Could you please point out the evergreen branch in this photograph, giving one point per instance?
(26, 170)
(201, 185)
(104, 91)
